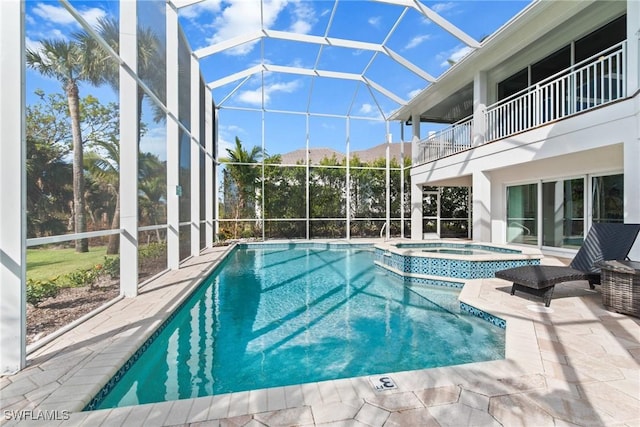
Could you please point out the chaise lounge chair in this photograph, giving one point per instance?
(603, 242)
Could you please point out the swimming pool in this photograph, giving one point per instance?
(280, 315)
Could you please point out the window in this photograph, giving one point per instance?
(599, 40)
(552, 64)
(522, 214)
(607, 193)
(563, 213)
(514, 84)
(602, 38)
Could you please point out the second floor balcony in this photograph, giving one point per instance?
(592, 83)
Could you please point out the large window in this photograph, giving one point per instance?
(563, 213)
(522, 214)
(607, 192)
(608, 35)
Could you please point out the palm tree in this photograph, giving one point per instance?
(152, 184)
(243, 175)
(150, 61)
(65, 61)
(150, 64)
(103, 165)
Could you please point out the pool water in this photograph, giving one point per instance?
(276, 317)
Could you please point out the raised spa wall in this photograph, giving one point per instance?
(421, 260)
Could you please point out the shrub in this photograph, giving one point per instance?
(40, 290)
(152, 250)
(80, 278)
(111, 266)
(224, 234)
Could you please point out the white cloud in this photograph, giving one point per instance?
(254, 96)
(155, 141)
(369, 110)
(301, 27)
(243, 16)
(304, 17)
(32, 44)
(366, 108)
(443, 7)
(226, 138)
(414, 93)
(417, 41)
(454, 55)
(196, 10)
(60, 16)
(374, 21)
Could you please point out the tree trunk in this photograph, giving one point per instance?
(114, 240)
(82, 245)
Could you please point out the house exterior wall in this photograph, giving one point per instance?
(604, 140)
(600, 141)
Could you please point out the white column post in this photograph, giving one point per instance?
(387, 201)
(129, 122)
(173, 143)
(216, 173)
(13, 317)
(632, 143)
(481, 204)
(416, 189)
(402, 183)
(210, 189)
(633, 46)
(195, 155)
(307, 178)
(348, 177)
(479, 107)
(415, 136)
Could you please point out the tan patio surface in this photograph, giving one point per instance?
(572, 364)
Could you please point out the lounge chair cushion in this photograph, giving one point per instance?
(541, 276)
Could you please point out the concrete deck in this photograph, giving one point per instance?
(571, 364)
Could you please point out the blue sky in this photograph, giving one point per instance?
(415, 38)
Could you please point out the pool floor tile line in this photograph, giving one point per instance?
(572, 364)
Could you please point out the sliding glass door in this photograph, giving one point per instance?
(562, 210)
(522, 214)
(607, 192)
(563, 213)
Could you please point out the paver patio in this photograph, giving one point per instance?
(572, 364)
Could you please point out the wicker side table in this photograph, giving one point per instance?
(621, 286)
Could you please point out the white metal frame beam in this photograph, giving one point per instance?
(173, 137)
(437, 19)
(13, 316)
(305, 72)
(129, 123)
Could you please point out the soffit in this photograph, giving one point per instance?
(533, 23)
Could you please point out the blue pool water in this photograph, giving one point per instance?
(275, 317)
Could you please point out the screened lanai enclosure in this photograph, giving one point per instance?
(154, 129)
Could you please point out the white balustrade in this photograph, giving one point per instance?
(589, 84)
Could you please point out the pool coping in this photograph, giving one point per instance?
(69, 371)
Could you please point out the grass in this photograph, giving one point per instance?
(48, 263)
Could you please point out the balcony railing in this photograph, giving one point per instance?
(591, 83)
(455, 138)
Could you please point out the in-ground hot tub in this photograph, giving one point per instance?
(443, 259)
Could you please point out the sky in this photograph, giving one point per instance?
(404, 31)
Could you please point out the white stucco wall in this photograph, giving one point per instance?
(601, 141)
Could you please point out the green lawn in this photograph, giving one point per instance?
(49, 263)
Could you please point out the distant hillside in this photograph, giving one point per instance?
(369, 155)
